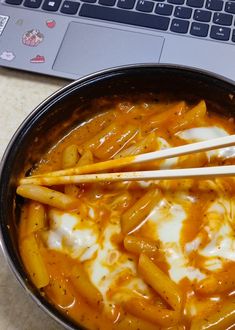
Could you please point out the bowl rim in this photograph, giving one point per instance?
(47, 103)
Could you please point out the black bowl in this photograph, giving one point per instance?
(71, 105)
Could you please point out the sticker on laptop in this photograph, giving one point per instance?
(32, 38)
(3, 22)
(7, 56)
(38, 59)
(51, 23)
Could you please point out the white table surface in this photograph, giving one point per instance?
(20, 93)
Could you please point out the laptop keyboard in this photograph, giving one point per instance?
(212, 19)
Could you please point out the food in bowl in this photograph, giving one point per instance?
(134, 255)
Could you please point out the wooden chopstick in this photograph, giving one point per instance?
(200, 172)
(155, 155)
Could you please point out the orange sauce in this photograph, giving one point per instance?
(129, 123)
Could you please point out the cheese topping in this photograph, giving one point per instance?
(206, 133)
(64, 235)
(101, 255)
(79, 238)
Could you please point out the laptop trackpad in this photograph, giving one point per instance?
(88, 48)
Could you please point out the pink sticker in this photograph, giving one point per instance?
(38, 59)
(32, 38)
(51, 23)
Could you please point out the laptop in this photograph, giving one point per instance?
(72, 38)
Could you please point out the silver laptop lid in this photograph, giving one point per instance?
(69, 38)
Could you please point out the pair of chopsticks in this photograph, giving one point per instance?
(82, 174)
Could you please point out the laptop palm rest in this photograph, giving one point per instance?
(88, 48)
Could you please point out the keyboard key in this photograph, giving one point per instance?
(163, 9)
(183, 12)
(230, 7)
(195, 3)
(51, 5)
(179, 26)
(202, 15)
(88, 1)
(124, 16)
(222, 19)
(107, 2)
(233, 36)
(216, 5)
(126, 4)
(199, 29)
(32, 3)
(176, 2)
(220, 33)
(14, 2)
(69, 7)
(145, 6)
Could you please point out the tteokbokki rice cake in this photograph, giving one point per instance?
(135, 254)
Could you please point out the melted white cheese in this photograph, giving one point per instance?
(217, 225)
(170, 162)
(220, 231)
(110, 265)
(193, 245)
(206, 133)
(202, 133)
(65, 237)
(168, 220)
(103, 262)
